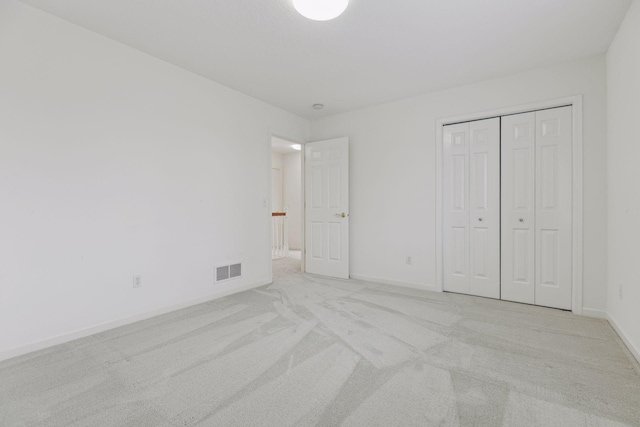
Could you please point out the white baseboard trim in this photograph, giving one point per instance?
(592, 312)
(411, 285)
(85, 332)
(634, 351)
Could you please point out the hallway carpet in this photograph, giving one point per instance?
(310, 351)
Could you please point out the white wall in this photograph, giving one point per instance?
(623, 86)
(277, 175)
(287, 194)
(393, 170)
(113, 163)
(276, 160)
(292, 180)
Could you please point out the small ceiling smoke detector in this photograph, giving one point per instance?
(318, 106)
(320, 10)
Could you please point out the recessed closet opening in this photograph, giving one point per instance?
(509, 202)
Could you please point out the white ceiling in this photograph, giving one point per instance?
(377, 51)
(282, 146)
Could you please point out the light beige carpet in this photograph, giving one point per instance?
(312, 351)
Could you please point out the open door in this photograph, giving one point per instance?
(327, 208)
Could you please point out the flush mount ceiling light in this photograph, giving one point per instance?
(296, 147)
(320, 10)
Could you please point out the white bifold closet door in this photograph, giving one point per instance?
(471, 238)
(536, 207)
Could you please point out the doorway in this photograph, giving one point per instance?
(286, 207)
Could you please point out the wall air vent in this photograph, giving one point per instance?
(222, 273)
(235, 270)
(227, 272)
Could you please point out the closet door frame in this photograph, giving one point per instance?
(577, 185)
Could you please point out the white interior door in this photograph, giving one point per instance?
(472, 208)
(327, 207)
(518, 207)
(553, 208)
(507, 208)
(455, 234)
(484, 208)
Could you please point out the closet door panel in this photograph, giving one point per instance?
(484, 199)
(518, 183)
(456, 208)
(553, 208)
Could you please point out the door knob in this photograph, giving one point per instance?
(342, 215)
(480, 219)
(521, 219)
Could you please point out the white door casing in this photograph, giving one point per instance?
(327, 207)
(471, 201)
(518, 207)
(553, 279)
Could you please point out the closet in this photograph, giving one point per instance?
(471, 200)
(507, 194)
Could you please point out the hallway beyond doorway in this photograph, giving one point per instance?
(287, 266)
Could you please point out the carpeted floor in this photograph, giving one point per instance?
(315, 351)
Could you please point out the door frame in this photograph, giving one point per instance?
(275, 134)
(577, 184)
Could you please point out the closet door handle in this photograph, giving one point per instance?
(480, 219)
(521, 219)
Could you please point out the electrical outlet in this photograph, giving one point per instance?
(137, 281)
(409, 260)
(620, 290)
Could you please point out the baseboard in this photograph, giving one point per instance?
(85, 332)
(592, 312)
(411, 285)
(634, 351)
